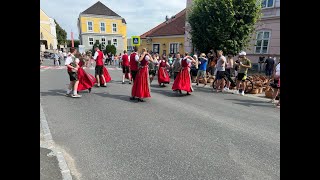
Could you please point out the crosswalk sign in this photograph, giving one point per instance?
(135, 40)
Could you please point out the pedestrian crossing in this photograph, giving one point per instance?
(42, 68)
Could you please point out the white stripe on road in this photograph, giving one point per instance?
(65, 171)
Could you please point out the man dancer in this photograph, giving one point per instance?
(98, 57)
(134, 62)
(125, 66)
(72, 69)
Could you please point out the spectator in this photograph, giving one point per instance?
(243, 64)
(229, 70)
(276, 83)
(203, 61)
(221, 64)
(269, 66)
(260, 63)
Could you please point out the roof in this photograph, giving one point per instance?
(174, 26)
(100, 9)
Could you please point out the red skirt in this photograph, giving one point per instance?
(86, 80)
(183, 81)
(106, 76)
(141, 84)
(163, 76)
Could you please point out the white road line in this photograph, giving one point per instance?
(65, 171)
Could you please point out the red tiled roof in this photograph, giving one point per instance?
(174, 26)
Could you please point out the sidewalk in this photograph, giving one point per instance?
(49, 165)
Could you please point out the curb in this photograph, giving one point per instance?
(49, 144)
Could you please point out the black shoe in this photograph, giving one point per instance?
(140, 100)
(197, 84)
(188, 93)
(132, 98)
(180, 91)
(123, 82)
(129, 82)
(89, 90)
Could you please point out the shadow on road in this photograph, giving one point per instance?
(115, 96)
(248, 103)
(59, 92)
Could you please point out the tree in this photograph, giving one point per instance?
(223, 24)
(61, 34)
(76, 43)
(111, 49)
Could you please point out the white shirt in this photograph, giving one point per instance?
(147, 58)
(69, 60)
(136, 57)
(188, 60)
(64, 54)
(278, 70)
(96, 54)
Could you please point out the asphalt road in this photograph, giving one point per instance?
(207, 135)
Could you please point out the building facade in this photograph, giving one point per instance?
(166, 38)
(265, 40)
(48, 35)
(99, 23)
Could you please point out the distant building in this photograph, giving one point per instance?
(99, 23)
(265, 40)
(167, 37)
(48, 35)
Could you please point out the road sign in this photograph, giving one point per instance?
(135, 40)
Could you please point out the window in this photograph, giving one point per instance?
(102, 27)
(115, 42)
(90, 25)
(114, 27)
(156, 48)
(109, 42)
(262, 43)
(90, 41)
(103, 42)
(174, 48)
(267, 3)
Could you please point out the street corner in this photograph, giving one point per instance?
(49, 165)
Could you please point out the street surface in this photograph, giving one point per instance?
(206, 135)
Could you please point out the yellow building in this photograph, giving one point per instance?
(167, 37)
(48, 36)
(99, 23)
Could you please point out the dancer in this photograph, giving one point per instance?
(125, 67)
(183, 80)
(98, 57)
(134, 62)
(141, 84)
(152, 68)
(163, 75)
(86, 80)
(72, 69)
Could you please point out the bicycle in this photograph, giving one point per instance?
(249, 83)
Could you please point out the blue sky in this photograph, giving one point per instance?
(141, 15)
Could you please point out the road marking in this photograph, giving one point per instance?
(49, 144)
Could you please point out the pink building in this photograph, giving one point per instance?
(266, 39)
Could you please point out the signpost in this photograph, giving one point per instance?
(135, 40)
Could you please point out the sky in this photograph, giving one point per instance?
(140, 15)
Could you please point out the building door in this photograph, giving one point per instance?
(156, 48)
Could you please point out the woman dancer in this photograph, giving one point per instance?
(183, 80)
(163, 75)
(86, 80)
(141, 84)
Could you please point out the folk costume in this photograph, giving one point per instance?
(163, 75)
(183, 80)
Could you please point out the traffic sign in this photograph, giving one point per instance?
(135, 40)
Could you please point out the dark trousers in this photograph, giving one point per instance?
(175, 75)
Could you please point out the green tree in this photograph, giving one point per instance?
(223, 24)
(75, 41)
(61, 34)
(111, 48)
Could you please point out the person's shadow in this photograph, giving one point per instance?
(116, 96)
(59, 92)
(248, 103)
